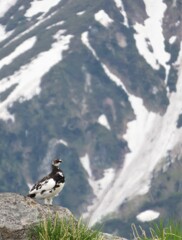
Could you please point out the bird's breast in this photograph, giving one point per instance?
(59, 177)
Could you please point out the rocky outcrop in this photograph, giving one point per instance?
(18, 214)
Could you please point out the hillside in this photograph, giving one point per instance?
(99, 86)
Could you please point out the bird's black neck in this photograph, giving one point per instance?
(55, 169)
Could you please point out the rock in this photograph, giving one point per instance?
(111, 237)
(19, 213)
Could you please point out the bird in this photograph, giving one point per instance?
(49, 186)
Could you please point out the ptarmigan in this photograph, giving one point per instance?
(50, 186)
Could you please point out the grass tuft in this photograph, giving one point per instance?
(63, 229)
(170, 231)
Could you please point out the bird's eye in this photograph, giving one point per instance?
(57, 161)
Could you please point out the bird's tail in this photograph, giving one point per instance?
(32, 195)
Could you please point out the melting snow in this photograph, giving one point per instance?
(31, 28)
(120, 6)
(61, 141)
(148, 147)
(56, 24)
(150, 137)
(28, 78)
(3, 33)
(103, 121)
(85, 41)
(5, 6)
(80, 13)
(86, 164)
(151, 33)
(99, 186)
(38, 6)
(25, 46)
(141, 43)
(103, 18)
(147, 216)
(172, 39)
(179, 59)
(21, 8)
(103, 183)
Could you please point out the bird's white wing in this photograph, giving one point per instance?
(43, 186)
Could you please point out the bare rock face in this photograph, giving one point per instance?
(19, 213)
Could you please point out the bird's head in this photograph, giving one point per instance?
(56, 162)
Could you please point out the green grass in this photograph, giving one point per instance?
(170, 231)
(70, 229)
(63, 229)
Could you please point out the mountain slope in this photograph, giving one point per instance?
(97, 85)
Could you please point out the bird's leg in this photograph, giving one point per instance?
(48, 201)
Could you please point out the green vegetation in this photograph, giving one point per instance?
(63, 229)
(70, 229)
(170, 231)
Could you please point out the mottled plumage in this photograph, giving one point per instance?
(49, 186)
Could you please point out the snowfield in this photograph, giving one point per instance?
(160, 136)
(149, 138)
(120, 6)
(22, 48)
(147, 216)
(151, 34)
(99, 186)
(40, 7)
(5, 6)
(104, 122)
(103, 18)
(26, 84)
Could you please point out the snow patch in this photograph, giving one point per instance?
(172, 39)
(4, 34)
(147, 216)
(120, 6)
(5, 6)
(21, 8)
(28, 77)
(103, 183)
(103, 18)
(80, 13)
(150, 137)
(86, 164)
(179, 59)
(42, 6)
(151, 33)
(25, 46)
(31, 28)
(98, 186)
(56, 24)
(85, 41)
(104, 122)
(142, 46)
(155, 137)
(61, 141)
